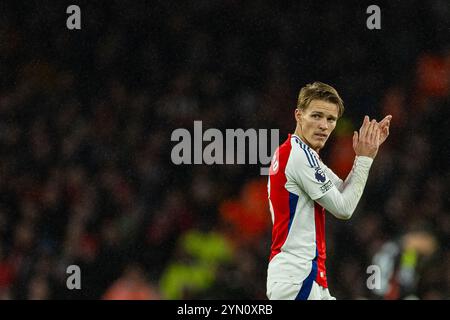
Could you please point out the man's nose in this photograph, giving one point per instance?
(323, 124)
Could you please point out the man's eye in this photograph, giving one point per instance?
(316, 116)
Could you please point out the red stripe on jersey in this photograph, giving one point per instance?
(279, 196)
(319, 218)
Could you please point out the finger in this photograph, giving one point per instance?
(364, 127)
(377, 136)
(386, 122)
(388, 118)
(372, 136)
(386, 130)
(370, 130)
(355, 139)
(376, 129)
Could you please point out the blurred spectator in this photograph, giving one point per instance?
(132, 285)
(195, 265)
(403, 263)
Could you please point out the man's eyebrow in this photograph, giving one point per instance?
(321, 113)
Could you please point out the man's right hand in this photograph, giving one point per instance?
(367, 141)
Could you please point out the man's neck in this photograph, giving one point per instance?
(298, 134)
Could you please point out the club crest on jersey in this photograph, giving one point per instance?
(320, 175)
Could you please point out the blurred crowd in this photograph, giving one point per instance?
(86, 117)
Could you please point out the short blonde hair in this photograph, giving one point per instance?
(319, 91)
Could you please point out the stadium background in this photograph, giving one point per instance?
(86, 117)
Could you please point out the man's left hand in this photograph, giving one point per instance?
(384, 126)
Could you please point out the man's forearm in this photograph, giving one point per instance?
(342, 201)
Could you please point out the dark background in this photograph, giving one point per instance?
(86, 118)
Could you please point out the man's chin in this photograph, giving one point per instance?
(319, 145)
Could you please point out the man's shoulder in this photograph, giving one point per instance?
(303, 153)
(294, 152)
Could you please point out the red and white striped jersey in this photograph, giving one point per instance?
(297, 178)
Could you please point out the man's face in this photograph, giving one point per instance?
(317, 122)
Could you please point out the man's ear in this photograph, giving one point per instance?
(298, 114)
